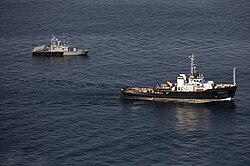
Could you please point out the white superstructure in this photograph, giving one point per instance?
(58, 46)
(195, 82)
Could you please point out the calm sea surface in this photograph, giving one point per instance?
(69, 111)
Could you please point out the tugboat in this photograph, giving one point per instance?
(193, 89)
(57, 48)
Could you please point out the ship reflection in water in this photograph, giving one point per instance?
(191, 118)
(186, 117)
(196, 117)
(59, 60)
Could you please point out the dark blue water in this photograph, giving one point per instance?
(69, 111)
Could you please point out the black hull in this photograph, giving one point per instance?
(48, 54)
(208, 95)
(56, 54)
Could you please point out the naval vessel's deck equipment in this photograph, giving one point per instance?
(57, 48)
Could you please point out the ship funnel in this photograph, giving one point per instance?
(234, 75)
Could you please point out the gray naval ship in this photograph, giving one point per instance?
(57, 48)
(186, 89)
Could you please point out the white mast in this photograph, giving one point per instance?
(234, 75)
(192, 66)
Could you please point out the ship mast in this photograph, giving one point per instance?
(64, 40)
(234, 75)
(54, 40)
(192, 66)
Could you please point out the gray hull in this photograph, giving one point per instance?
(60, 54)
(48, 54)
